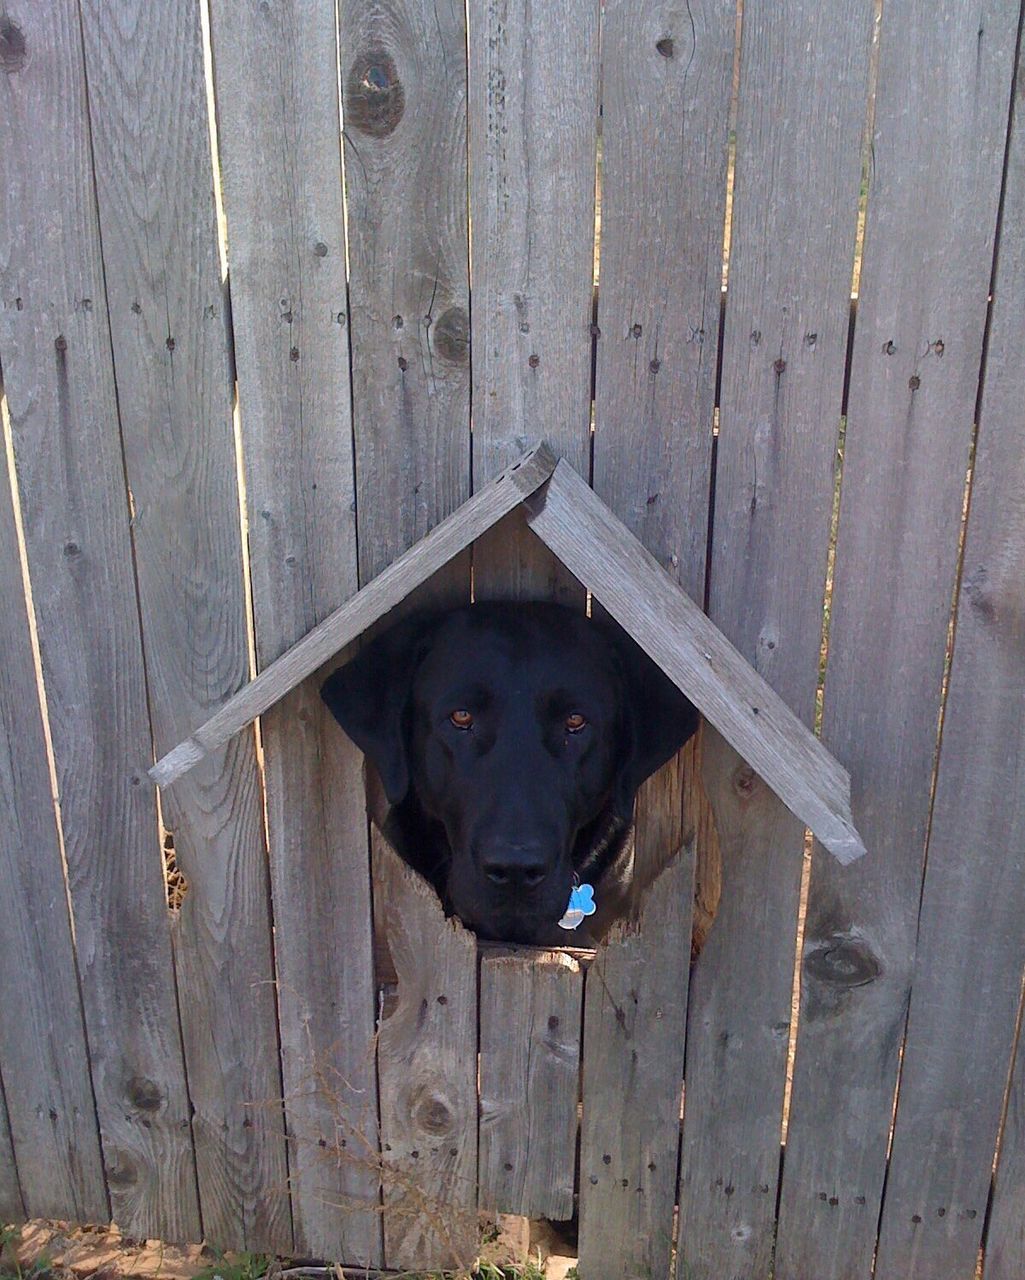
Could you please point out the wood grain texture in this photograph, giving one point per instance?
(169, 328)
(408, 572)
(803, 79)
(635, 1016)
(276, 83)
(403, 68)
(663, 191)
(665, 123)
(674, 632)
(43, 1053)
(531, 1006)
(55, 345)
(971, 947)
(940, 125)
(427, 1055)
(1005, 1237)
(12, 1207)
(533, 99)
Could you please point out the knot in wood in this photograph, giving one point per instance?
(745, 781)
(451, 335)
(375, 99)
(121, 1171)
(144, 1094)
(843, 962)
(433, 1115)
(13, 48)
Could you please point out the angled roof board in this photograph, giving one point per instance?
(604, 555)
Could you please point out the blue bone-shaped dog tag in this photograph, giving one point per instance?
(581, 904)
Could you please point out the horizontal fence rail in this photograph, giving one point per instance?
(283, 290)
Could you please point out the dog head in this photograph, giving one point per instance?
(515, 736)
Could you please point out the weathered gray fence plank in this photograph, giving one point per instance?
(55, 348)
(43, 1052)
(940, 127)
(172, 358)
(663, 195)
(276, 83)
(635, 1015)
(403, 76)
(427, 1051)
(1005, 1240)
(666, 76)
(403, 67)
(530, 1027)
(803, 79)
(12, 1207)
(971, 945)
(533, 98)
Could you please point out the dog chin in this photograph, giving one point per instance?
(533, 924)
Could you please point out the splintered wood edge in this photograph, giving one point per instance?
(502, 954)
(623, 575)
(372, 602)
(414, 884)
(633, 923)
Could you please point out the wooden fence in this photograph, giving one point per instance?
(240, 363)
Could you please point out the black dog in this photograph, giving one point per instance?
(510, 740)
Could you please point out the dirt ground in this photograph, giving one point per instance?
(47, 1250)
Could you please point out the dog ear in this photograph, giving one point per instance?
(657, 721)
(370, 695)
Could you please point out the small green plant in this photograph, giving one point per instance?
(237, 1266)
(528, 1270)
(11, 1267)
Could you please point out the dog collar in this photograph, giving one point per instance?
(581, 904)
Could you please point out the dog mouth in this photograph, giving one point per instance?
(497, 915)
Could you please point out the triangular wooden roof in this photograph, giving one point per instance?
(604, 555)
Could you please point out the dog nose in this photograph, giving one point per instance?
(515, 867)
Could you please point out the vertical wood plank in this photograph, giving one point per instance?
(277, 103)
(531, 1004)
(427, 1050)
(169, 328)
(940, 126)
(665, 127)
(55, 348)
(803, 78)
(403, 66)
(665, 120)
(403, 77)
(1005, 1239)
(971, 946)
(533, 95)
(43, 1052)
(635, 1015)
(12, 1207)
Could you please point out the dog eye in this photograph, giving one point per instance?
(461, 718)
(575, 722)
